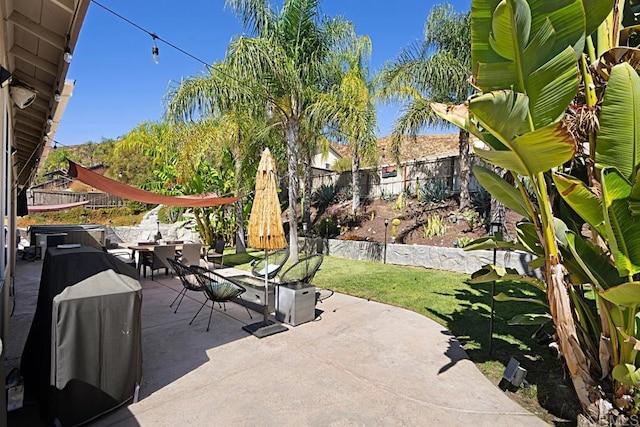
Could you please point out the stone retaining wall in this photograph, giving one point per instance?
(435, 257)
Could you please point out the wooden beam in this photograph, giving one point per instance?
(44, 89)
(66, 5)
(33, 115)
(27, 121)
(34, 60)
(27, 130)
(54, 39)
(26, 136)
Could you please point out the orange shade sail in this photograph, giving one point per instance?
(125, 191)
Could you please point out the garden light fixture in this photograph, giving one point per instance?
(386, 224)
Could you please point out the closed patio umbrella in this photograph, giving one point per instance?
(266, 232)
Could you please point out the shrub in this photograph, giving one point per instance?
(327, 225)
(435, 227)
(387, 196)
(400, 201)
(481, 202)
(324, 196)
(435, 191)
(344, 193)
(170, 214)
(472, 218)
(463, 241)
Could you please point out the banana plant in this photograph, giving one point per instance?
(527, 57)
(613, 267)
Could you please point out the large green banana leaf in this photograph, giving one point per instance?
(528, 237)
(634, 197)
(582, 200)
(593, 262)
(623, 229)
(536, 58)
(493, 273)
(618, 139)
(504, 192)
(595, 12)
(626, 294)
(502, 297)
(529, 154)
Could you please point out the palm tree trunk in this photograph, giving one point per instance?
(355, 181)
(308, 183)
(464, 163)
(293, 151)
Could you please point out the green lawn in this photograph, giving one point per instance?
(462, 308)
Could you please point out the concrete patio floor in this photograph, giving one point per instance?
(360, 363)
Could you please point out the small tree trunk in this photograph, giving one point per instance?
(562, 313)
(464, 163)
(355, 181)
(241, 245)
(293, 149)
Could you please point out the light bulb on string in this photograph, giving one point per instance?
(67, 55)
(49, 120)
(55, 144)
(155, 52)
(56, 96)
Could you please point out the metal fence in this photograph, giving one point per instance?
(96, 199)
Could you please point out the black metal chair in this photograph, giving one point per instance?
(271, 264)
(302, 271)
(188, 279)
(218, 289)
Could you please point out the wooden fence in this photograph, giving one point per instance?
(394, 179)
(96, 199)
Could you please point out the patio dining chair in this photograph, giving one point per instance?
(191, 253)
(271, 264)
(217, 289)
(187, 278)
(215, 253)
(157, 258)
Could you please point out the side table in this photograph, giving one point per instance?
(296, 303)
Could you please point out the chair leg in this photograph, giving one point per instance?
(179, 293)
(183, 294)
(210, 313)
(245, 306)
(194, 317)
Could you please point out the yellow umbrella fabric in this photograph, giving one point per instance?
(266, 232)
(265, 223)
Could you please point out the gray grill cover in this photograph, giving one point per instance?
(96, 355)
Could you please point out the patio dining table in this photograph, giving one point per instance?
(146, 250)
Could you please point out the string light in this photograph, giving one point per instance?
(67, 52)
(56, 96)
(55, 144)
(155, 52)
(49, 120)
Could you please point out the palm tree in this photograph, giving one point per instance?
(241, 128)
(283, 59)
(435, 70)
(351, 111)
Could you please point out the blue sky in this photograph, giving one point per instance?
(119, 86)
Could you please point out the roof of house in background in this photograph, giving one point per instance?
(418, 147)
